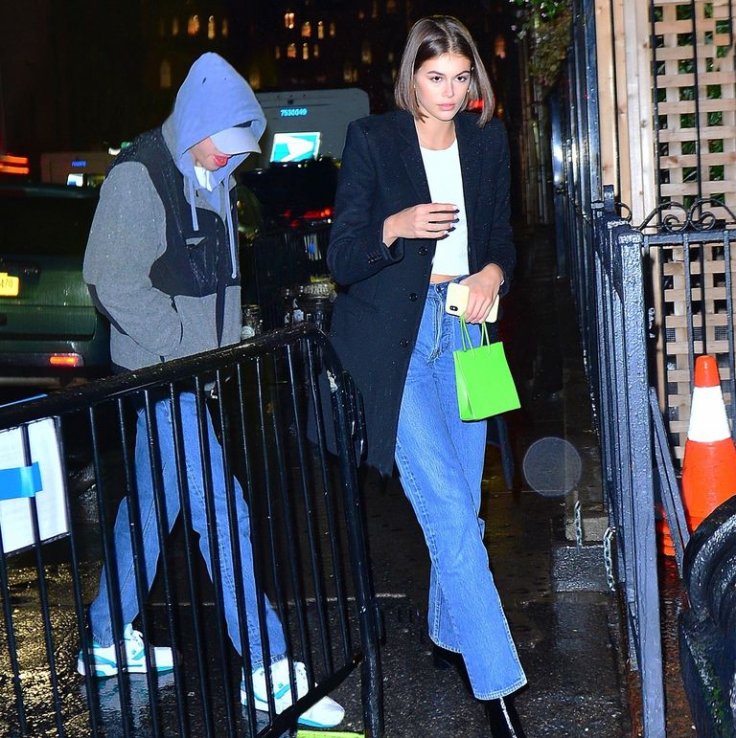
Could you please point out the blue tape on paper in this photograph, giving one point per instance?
(22, 481)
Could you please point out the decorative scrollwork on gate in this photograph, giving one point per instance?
(698, 217)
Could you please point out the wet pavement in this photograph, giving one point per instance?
(564, 619)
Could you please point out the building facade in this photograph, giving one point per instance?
(88, 75)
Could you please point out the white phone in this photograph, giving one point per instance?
(457, 302)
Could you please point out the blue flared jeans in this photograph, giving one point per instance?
(195, 489)
(440, 460)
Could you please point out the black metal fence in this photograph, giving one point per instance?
(611, 287)
(650, 299)
(70, 461)
(688, 263)
(692, 261)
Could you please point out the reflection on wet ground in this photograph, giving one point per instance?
(672, 602)
(315, 603)
(184, 702)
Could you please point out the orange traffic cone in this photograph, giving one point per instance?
(709, 464)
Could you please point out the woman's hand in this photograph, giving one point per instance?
(429, 220)
(484, 286)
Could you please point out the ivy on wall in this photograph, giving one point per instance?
(548, 23)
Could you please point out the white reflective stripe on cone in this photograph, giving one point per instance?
(708, 420)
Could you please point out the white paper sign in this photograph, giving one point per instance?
(16, 523)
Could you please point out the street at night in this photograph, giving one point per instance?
(224, 226)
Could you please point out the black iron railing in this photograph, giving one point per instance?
(259, 415)
(651, 298)
(615, 334)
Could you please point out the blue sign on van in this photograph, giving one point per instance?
(295, 146)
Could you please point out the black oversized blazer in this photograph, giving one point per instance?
(378, 309)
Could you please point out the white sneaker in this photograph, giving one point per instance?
(325, 714)
(103, 659)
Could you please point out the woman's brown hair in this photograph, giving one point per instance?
(431, 37)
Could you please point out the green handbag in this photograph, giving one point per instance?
(485, 386)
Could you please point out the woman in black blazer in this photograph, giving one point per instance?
(422, 200)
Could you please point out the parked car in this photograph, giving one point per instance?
(50, 332)
(297, 194)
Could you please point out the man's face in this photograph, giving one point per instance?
(208, 156)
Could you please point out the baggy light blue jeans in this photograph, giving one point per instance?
(99, 610)
(440, 460)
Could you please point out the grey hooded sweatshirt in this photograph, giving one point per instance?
(162, 255)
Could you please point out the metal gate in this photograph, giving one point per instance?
(69, 461)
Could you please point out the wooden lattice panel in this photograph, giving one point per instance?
(709, 328)
(695, 101)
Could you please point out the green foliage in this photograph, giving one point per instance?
(548, 24)
(543, 9)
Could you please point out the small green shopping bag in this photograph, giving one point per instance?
(485, 386)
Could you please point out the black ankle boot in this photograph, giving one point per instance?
(444, 659)
(503, 719)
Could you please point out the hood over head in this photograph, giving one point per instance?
(213, 98)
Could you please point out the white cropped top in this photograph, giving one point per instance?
(446, 185)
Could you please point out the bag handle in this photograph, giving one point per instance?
(465, 335)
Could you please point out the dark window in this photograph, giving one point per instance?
(45, 226)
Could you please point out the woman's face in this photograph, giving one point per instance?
(441, 85)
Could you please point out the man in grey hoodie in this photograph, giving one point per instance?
(162, 264)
